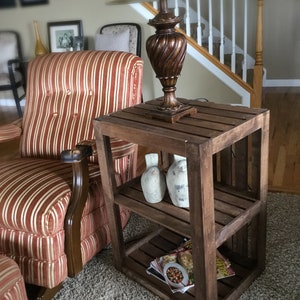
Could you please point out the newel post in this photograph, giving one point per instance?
(258, 68)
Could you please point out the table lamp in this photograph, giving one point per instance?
(166, 50)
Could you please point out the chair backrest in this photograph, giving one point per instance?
(66, 91)
(117, 34)
(9, 48)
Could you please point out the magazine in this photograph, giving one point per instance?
(176, 268)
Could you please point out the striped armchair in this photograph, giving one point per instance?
(52, 213)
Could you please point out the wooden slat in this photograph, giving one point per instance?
(229, 204)
(226, 166)
(155, 215)
(136, 131)
(241, 162)
(180, 126)
(217, 119)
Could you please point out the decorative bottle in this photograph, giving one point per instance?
(40, 49)
(177, 182)
(153, 180)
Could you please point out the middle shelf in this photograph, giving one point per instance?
(233, 209)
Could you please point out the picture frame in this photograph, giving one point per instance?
(62, 35)
(7, 3)
(33, 2)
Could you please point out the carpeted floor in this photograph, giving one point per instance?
(280, 281)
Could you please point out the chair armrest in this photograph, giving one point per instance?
(11, 131)
(78, 158)
(119, 148)
(11, 70)
(76, 155)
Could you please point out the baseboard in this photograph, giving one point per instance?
(287, 190)
(281, 82)
(11, 102)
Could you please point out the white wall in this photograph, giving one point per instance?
(194, 81)
(282, 39)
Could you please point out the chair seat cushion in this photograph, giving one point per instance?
(34, 197)
(36, 193)
(11, 281)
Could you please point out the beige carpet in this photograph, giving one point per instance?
(280, 281)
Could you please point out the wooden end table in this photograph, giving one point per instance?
(227, 160)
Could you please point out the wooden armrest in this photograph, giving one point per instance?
(119, 147)
(78, 158)
(76, 155)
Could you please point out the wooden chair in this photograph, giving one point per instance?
(12, 73)
(52, 213)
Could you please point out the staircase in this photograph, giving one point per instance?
(219, 33)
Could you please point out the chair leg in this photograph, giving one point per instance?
(41, 293)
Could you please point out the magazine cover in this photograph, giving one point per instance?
(176, 268)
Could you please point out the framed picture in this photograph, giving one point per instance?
(33, 2)
(62, 35)
(7, 3)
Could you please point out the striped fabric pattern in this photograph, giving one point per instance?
(37, 193)
(104, 81)
(12, 285)
(65, 92)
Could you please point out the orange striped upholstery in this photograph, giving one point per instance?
(12, 285)
(54, 98)
(65, 92)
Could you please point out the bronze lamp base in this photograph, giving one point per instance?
(166, 50)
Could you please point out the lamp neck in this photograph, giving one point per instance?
(163, 5)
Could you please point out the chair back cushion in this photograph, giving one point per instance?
(66, 91)
(114, 41)
(116, 30)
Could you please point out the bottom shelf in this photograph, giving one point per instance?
(139, 256)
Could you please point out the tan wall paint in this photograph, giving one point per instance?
(282, 39)
(193, 83)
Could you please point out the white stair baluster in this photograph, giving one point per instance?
(187, 18)
(245, 40)
(199, 29)
(222, 39)
(233, 37)
(210, 36)
(176, 11)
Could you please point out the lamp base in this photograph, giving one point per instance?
(168, 115)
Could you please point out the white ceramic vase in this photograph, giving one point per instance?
(177, 182)
(153, 180)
